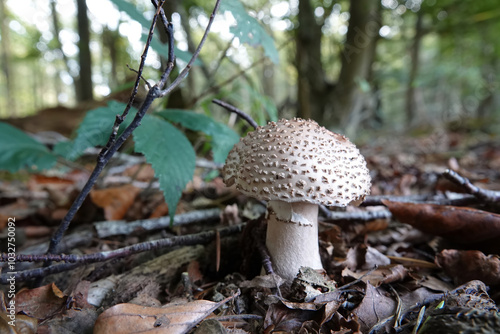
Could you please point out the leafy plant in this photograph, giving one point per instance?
(223, 138)
(20, 151)
(170, 154)
(249, 30)
(94, 130)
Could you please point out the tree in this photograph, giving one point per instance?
(340, 103)
(85, 87)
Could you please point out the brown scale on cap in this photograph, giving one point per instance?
(298, 161)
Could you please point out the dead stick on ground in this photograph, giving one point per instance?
(79, 260)
(488, 196)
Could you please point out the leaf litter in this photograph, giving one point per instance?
(389, 275)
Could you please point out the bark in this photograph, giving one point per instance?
(311, 83)
(411, 105)
(336, 104)
(357, 57)
(85, 89)
(110, 40)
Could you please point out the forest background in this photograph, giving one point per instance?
(351, 65)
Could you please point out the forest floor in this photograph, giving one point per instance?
(419, 256)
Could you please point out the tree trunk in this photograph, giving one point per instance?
(311, 79)
(348, 100)
(411, 105)
(5, 61)
(336, 104)
(85, 89)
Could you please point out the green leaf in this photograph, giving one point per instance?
(249, 30)
(223, 138)
(170, 154)
(20, 151)
(158, 46)
(94, 130)
(131, 10)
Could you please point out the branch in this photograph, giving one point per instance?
(121, 227)
(449, 199)
(216, 88)
(186, 69)
(357, 215)
(113, 145)
(489, 196)
(75, 261)
(238, 112)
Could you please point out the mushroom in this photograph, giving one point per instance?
(296, 165)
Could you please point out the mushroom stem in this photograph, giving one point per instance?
(292, 237)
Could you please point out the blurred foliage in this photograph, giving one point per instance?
(458, 73)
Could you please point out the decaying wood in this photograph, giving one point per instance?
(107, 229)
(163, 269)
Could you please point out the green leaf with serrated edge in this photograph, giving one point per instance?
(223, 138)
(132, 11)
(158, 46)
(20, 151)
(94, 130)
(171, 155)
(249, 30)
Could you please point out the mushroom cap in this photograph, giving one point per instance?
(298, 161)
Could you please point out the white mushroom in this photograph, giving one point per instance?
(296, 165)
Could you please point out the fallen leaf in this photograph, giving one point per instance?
(365, 257)
(374, 307)
(465, 266)
(170, 319)
(23, 324)
(281, 318)
(382, 275)
(115, 201)
(40, 303)
(463, 225)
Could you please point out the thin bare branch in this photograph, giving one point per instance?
(238, 112)
(488, 196)
(186, 69)
(78, 260)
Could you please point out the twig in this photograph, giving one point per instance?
(140, 76)
(114, 144)
(78, 260)
(489, 196)
(120, 118)
(357, 216)
(238, 112)
(360, 279)
(244, 71)
(238, 317)
(120, 227)
(449, 199)
(186, 69)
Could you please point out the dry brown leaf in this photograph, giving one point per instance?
(464, 225)
(23, 324)
(42, 302)
(365, 257)
(170, 319)
(283, 319)
(143, 172)
(465, 266)
(374, 307)
(381, 275)
(115, 201)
